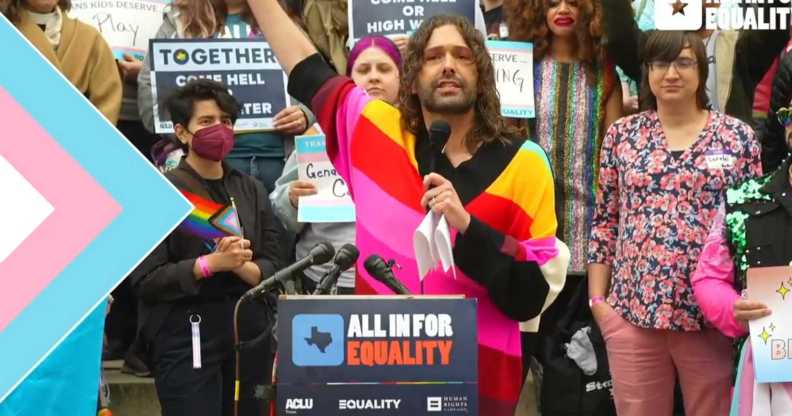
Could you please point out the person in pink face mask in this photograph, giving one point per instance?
(193, 279)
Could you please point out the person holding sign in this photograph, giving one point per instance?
(260, 154)
(753, 229)
(374, 64)
(663, 174)
(190, 283)
(503, 227)
(74, 48)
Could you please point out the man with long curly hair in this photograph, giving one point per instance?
(494, 188)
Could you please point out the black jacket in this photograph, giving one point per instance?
(768, 225)
(754, 53)
(770, 132)
(166, 277)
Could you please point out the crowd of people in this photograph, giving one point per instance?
(654, 213)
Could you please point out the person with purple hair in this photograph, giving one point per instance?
(374, 64)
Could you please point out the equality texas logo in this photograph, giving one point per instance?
(678, 14)
(318, 340)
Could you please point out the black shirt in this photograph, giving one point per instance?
(166, 276)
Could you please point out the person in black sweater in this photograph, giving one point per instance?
(191, 282)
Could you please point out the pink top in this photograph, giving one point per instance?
(713, 280)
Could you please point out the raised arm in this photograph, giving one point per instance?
(289, 43)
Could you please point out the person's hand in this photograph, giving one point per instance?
(225, 243)
(230, 253)
(298, 189)
(401, 42)
(747, 310)
(442, 198)
(290, 120)
(600, 311)
(130, 68)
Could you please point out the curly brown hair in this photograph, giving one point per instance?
(12, 9)
(527, 21)
(488, 126)
(205, 18)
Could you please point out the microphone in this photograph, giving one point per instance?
(345, 257)
(439, 132)
(320, 253)
(380, 270)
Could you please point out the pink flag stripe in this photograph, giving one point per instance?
(82, 209)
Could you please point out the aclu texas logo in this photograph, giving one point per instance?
(401, 339)
(722, 14)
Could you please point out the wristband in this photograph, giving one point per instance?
(206, 272)
(595, 300)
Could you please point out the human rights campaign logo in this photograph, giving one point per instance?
(678, 14)
(317, 340)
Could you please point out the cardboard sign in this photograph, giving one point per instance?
(126, 25)
(332, 202)
(771, 336)
(513, 62)
(248, 68)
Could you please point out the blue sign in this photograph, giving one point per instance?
(383, 355)
(317, 340)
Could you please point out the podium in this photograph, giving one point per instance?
(384, 355)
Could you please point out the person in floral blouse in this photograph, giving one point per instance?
(663, 174)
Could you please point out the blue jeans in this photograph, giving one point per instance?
(265, 169)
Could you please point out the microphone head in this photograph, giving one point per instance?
(322, 253)
(346, 256)
(375, 266)
(439, 132)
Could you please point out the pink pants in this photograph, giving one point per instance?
(643, 363)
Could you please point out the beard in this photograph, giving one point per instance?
(458, 104)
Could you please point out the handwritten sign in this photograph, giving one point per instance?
(332, 202)
(126, 25)
(392, 17)
(771, 336)
(248, 68)
(513, 62)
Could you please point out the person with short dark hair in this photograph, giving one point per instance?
(663, 174)
(262, 153)
(195, 277)
(737, 59)
(74, 48)
(502, 226)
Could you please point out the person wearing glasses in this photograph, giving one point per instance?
(752, 229)
(663, 174)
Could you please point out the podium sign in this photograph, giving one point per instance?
(341, 355)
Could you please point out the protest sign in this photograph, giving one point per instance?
(248, 68)
(771, 336)
(513, 62)
(391, 355)
(126, 25)
(395, 17)
(332, 202)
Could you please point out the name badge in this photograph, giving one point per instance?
(719, 161)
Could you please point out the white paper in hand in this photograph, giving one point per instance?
(432, 244)
(442, 244)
